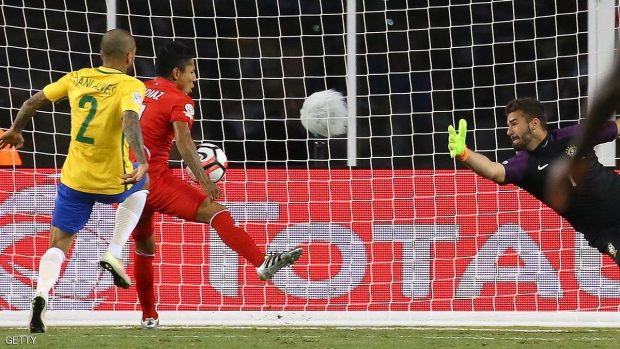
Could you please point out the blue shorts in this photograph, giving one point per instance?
(73, 208)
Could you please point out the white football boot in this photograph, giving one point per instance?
(276, 261)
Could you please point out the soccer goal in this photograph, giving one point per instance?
(393, 231)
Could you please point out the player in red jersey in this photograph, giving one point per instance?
(167, 116)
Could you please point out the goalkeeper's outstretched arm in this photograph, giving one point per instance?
(479, 163)
(606, 100)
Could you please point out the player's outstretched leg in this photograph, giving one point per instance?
(276, 261)
(234, 237)
(115, 266)
(37, 314)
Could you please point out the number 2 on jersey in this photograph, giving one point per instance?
(91, 113)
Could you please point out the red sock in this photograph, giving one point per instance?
(237, 238)
(143, 273)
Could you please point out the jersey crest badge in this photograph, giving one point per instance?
(189, 111)
(571, 150)
(137, 98)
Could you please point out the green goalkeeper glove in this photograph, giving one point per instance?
(456, 141)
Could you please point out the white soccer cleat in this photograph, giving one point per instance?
(37, 314)
(276, 261)
(150, 324)
(115, 266)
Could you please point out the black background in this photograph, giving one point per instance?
(419, 70)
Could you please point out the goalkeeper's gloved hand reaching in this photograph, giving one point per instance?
(456, 141)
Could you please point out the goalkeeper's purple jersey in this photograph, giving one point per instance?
(594, 206)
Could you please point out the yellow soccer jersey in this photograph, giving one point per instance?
(98, 153)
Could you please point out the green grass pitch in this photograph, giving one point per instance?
(315, 337)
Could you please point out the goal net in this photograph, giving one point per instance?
(405, 231)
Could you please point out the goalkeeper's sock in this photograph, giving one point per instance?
(143, 274)
(236, 238)
(49, 270)
(127, 217)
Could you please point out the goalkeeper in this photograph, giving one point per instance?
(168, 115)
(591, 204)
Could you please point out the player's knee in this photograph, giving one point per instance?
(613, 252)
(207, 210)
(61, 239)
(616, 258)
(145, 245)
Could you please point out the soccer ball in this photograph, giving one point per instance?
(325, 113)
(213, 161)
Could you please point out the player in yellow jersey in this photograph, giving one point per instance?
(105, 103)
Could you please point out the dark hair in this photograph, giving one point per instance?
(531, 109)
(173, 55)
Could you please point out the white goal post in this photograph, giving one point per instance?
(602, 37)
(393, 231)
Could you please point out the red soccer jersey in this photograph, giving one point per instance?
(164, 104)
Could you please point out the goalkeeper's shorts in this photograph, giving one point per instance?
(606, 241)
(169, 195)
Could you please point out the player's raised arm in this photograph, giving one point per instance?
(479, 163)
(606, 100)
(133, 135)
(13, 136)
(566, 173)
(187, 149)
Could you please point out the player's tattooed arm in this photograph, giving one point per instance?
(28, 109)
(13, 136)
(133, 134)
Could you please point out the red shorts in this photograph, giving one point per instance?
(169, 195)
